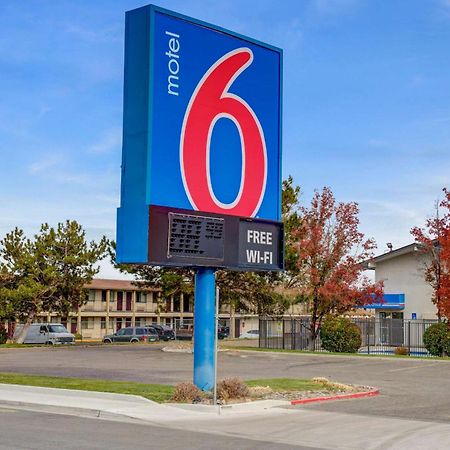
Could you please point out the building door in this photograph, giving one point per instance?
(237, 328)
(391, 328)
(397, 333)
(128, 305)
(73, 326)
(119, 301)
(11, 328)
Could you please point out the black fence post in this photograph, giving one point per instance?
(409, 337)
(292, 334)
(259, 334)
(368, 336)
(282, 330)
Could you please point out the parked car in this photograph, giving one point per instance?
(223, 332)
(132, 334)
(165, 333)
(185, 331)
(46, 333)
(250, 334)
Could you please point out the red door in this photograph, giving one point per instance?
(119, 301)
(128, 301)
(73, 327)
(11, 328)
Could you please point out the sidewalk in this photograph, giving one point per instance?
(261, 421)
(108, 405)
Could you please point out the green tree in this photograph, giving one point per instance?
(75, 260)
(26, 280)
(47, 273)
(290, 204)
(252, 292)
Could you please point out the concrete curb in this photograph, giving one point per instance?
(303, 401)
(257, 405)
(177, 350)
(110, 405)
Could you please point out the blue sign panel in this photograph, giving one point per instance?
(202, 124)
(389, 301)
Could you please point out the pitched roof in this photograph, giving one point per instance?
(117, 285)
(410, 248)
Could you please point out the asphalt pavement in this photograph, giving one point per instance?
(412, 412)
(36, 430)
(410, 388)
(248, 425)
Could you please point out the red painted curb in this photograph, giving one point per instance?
(336, 397)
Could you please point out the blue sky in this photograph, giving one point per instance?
(366, 105)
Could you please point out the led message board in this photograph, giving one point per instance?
(202, 134)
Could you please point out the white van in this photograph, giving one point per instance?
(46, 333)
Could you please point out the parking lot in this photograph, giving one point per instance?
(410, 388)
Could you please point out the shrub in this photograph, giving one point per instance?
(436, 339)
(339, 334)
(3, 335)
(401, 350)
(231, 388)
(186, 393)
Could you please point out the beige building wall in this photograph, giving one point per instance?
(114, 304)
(404, 274)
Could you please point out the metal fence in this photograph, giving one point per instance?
(378, 336)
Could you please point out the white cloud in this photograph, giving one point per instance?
(110, 141)
(46, 163)
(108, 271)
(105, 35)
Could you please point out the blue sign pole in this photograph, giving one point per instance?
(204, 327)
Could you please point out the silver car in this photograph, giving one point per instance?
(46, 333)
(132, 334)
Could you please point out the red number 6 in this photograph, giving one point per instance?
(210, 102)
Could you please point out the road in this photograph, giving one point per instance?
(410, 388)
(31, 430)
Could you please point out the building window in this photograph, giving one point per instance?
(112, 296)
(87, 323)
(141, 297)
(103, 296)
(103, 323)
(91, 296)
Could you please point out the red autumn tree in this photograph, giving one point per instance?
(434, 240)
(331, 252)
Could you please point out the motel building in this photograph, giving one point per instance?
(407, 309)
(114, 304)
(407, 294)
